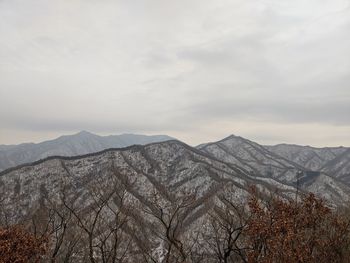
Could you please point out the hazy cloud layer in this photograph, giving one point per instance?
(272, 70)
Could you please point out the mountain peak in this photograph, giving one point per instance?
(84, 133)
(234, 137)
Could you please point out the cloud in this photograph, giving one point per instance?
(177, 67)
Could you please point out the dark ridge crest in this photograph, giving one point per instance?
(68, 158)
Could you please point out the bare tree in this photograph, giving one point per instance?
(57, 222)
(226, 230)
(171, 217)
(102, 222)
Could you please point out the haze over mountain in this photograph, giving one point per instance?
(70, 145)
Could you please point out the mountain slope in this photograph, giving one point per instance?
(339, 167)
(309, 157)
(333, 161)
(154, 177)
(77, 144)
(253, 157)
(151, 185)
(170, 168)
(258, 160)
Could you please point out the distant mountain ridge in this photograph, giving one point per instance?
(149, 182)
(309, 157)
(151, 179)
(264, 161)
(170, 169)
(334, 161)
(154, 180)
(70, 145)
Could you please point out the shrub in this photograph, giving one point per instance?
(20, 246)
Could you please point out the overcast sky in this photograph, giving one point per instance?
(199, 70)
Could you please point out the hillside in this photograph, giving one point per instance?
(71, 145)
(152, 178)
(333, 161)
(260, 161)
(150, 190)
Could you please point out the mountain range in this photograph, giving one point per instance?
(173, 164)
(334, 161)
(70, 145)
(152, 180)
(287, 168)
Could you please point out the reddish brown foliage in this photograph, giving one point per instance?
(19, 246)
(290, 231)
